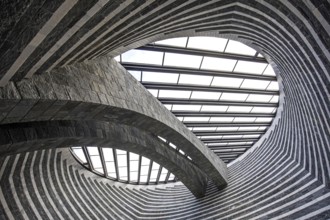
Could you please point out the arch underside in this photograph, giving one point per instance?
(286, 177)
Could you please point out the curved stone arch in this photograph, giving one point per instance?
(62, 134)
(103, 91)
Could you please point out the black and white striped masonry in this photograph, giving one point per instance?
(286, 176)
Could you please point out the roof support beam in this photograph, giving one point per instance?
(215, 102)
(162, 69)
(207, 89)
(190, 51)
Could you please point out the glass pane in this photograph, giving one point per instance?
(110, 167)
(133, 176)
(207, 43)
(195, 79)
(254, 84)
(122, 173)
(80, 154)
(142, 56)
(239, 48)
(269, 71)
(264, 119)
(244, 119)
(227, 128)
(205, 95)
(250, 67)
(182, 60)
(204, 128)
(134, 165)
(245, 109)
(153, 92)
(93, 150)
(160, 77)
(96, 161)
(234, 96)
(248, 129)
(145, 161)
(211, 137)
(221, 119)
(108, 154)
(259, 98)
(262, 110)
(133, 156)
(143, 179)
(200, 119)
(214, 108)
(274, 99)
(251, 136)
(227, 82)
(122, 160)
(186, 107)
(273, 86)
(169, 107)
(174, 94)
(174, 42)
(232, 136)
(136, 74)
(221, 64)
(144, 170)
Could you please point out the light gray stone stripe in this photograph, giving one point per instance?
(90, 33)
(312, 214)
(294, 201)
(35, 188)
(76, 194)
(49, 173)
(13, 189)
(96, 8)
(40, 36)
(61, 188)
(45, 187)
(25, 189)
(2, 197)
(132, 13)
(84, 192)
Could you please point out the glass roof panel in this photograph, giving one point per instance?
(221, 64)
(214, 108)
(269, 71)
(160, 77)
(154, 92)
(195, 79)
(244, 119)
(259, 98)
(239, 48)
(255, 128)
(108, 154)
(182, 60)
(262, 109)
(93, 150)
(250, 67)
(227, 82)
(221, 119)
(205, 95)
(259, 119)
(254, 84)
(96, 161)
(80, 154)
(174, 42)
(227, 128)
(135, 74)
(273, 86)
(207, 43)
(245, 109)
(186, 107)
(234, 96)
(174, 94)
(200, 119)
(274, 99)
(204, 128)
(142, 56)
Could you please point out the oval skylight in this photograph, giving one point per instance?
(122, 166)
(225, 92)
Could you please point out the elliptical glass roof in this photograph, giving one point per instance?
(225, 92)
(123, 166)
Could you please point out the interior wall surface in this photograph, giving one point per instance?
(287, 176)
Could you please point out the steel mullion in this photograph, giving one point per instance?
(88, 158)
(217, 114)
(103, 161)
(181, 87)
(215, 102)
(139, 170)
(226, 124)
(149, 171)
(159, 173)
(116, 162)
(190, 51)
(231, 140)
(167, 176)
(128, 167)
(182, 70)
(229, 133)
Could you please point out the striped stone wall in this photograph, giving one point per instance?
(288, 176)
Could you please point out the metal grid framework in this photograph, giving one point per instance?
(122, 166)
(225, 92)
